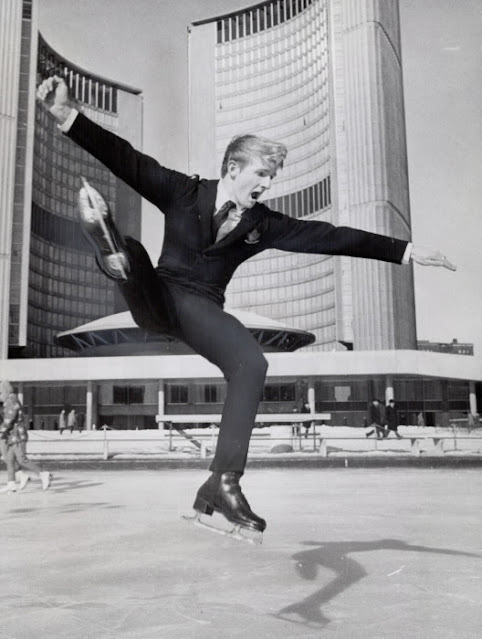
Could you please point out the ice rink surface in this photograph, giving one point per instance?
(363, 553)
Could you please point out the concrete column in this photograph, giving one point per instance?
(20, 393)
(89, 406)
(472, 398)
(445, 416)
(389, 394)
(311, 395)
(10, 57)
(160, 403)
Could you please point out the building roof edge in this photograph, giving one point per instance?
(403, 363)
(96, 76)
(232, 14)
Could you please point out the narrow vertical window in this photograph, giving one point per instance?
(241, 25)
(247, 23)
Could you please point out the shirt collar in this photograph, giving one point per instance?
(222, 197)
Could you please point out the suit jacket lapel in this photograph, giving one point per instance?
(249, 220)
(206, 202)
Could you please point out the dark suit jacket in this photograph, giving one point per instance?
(189, 255)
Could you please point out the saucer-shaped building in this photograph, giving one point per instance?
(118, 334)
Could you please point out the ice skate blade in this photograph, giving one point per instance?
(237, 532)
(100, 219)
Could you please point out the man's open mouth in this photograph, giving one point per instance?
(255, 195)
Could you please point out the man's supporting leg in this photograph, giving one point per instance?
(224, 341)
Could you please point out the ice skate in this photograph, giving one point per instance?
(99, 229)
(45, 478)
(10, 487)
(222, 494)
(22, 478)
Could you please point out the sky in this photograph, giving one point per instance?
(143, 43)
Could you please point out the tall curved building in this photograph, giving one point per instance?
(54, 282)
(325, 78)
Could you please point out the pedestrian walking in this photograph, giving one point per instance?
(391, 417)
(375, 420)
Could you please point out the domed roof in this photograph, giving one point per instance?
(118, 334)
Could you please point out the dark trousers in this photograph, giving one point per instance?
(378, 429)
(160, 306)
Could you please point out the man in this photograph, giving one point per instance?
(211, 227)
(391, 418)
(13, 438)
(375, 420)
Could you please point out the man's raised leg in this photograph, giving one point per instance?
(124, 260)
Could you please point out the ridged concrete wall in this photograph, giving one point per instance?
(10, 35)
(371, 171)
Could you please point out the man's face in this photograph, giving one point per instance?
(248, 184)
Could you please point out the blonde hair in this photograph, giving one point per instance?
(243, 148)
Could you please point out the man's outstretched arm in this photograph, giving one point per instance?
(144, 174)
(302, 236)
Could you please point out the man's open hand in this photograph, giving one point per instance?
(427, 256)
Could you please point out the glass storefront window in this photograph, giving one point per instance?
(177, 393)
(279, 393)
(128, 394)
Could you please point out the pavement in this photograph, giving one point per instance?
(349, 552)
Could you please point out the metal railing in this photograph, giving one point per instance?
(108, 443)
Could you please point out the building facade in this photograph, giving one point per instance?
(455, 347)
(49, 278)
(128, 392)
(325, 78)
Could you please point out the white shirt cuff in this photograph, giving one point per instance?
(65, 126)
(408, 253)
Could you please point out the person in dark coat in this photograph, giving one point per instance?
(375, 422)
(211, 227)
(391, 419)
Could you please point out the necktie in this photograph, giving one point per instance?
(226, 219)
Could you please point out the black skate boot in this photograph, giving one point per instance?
(222, 494)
